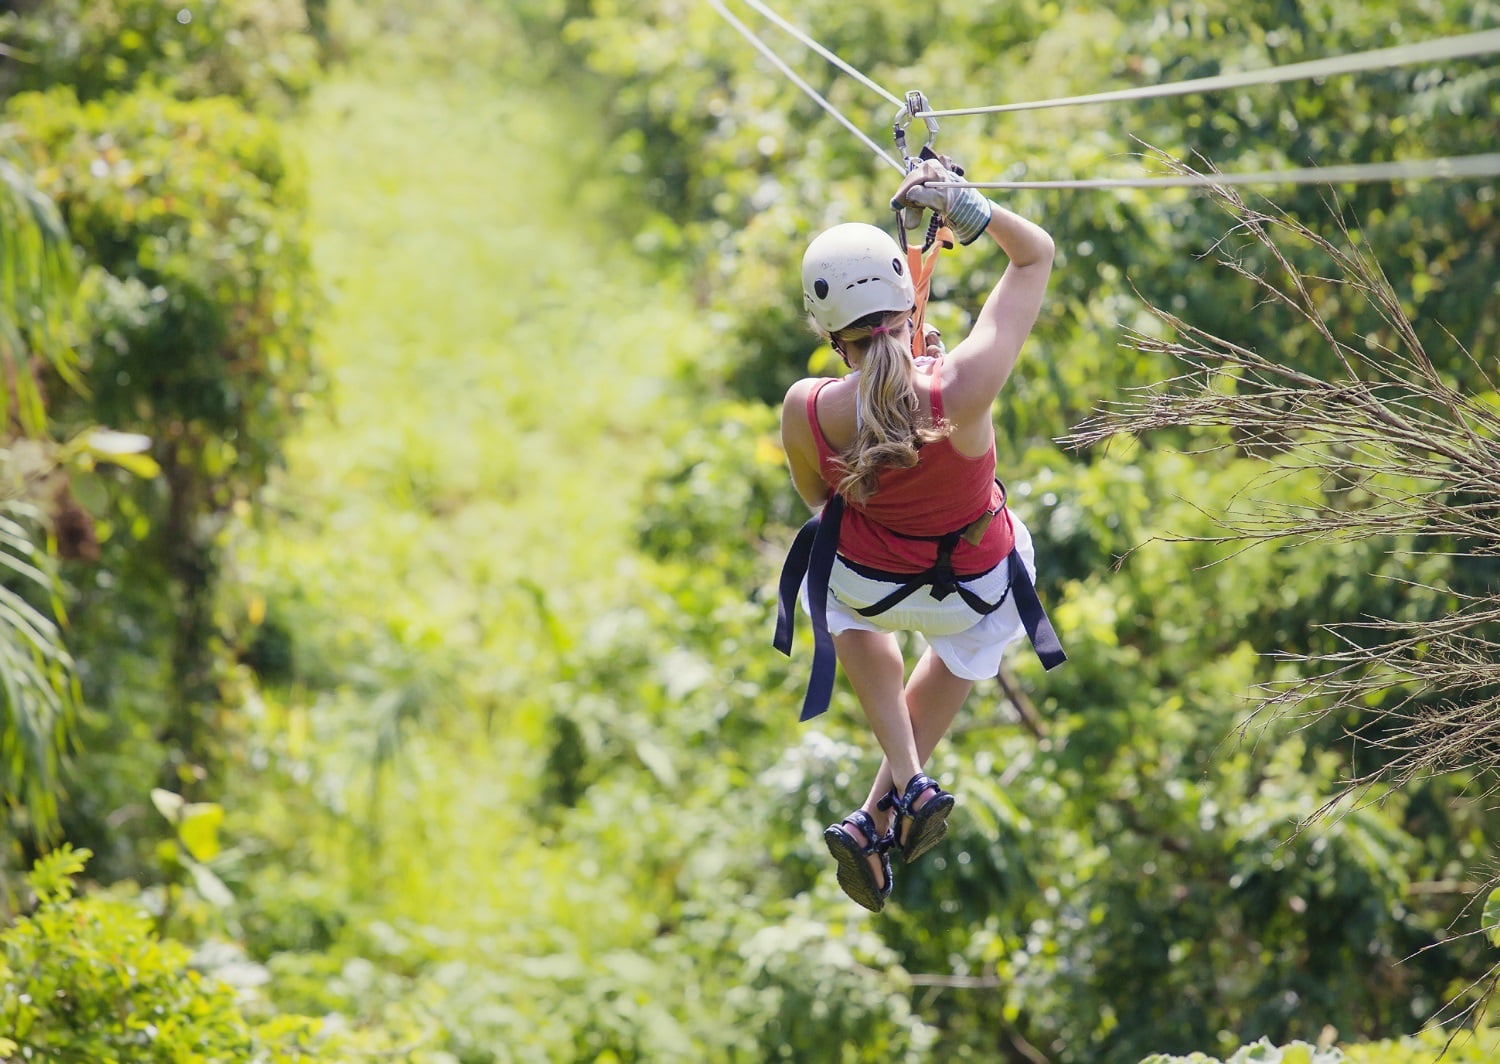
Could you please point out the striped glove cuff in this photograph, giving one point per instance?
(968, 216)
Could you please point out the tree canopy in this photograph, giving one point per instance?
(394, 504)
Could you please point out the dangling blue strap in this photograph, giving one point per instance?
(812, 555)
(1038, 628)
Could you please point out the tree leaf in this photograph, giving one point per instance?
(125, 449)
(199, 829)
(168, 804)
(109, 443)
(210, 886)
(1489, 920)
(142, 465)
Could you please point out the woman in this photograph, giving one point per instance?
(900, 456)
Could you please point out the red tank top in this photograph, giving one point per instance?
(944, 491)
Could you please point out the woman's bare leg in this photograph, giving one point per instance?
(872, 661)
(933, 698)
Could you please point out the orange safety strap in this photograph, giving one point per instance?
(921, 278)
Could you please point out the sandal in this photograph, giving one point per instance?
(855, 875)
(928, 823)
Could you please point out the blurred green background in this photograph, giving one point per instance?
(394, 501)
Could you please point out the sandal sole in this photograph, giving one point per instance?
(854, 876)
(928, 826)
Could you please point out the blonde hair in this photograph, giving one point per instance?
(887, 433)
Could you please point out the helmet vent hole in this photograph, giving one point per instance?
(820, 288)
(896, 265)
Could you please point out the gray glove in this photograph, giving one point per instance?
(963, 210)
(911, 217)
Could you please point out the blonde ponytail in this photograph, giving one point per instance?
(887, 432)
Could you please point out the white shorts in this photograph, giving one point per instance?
(969, 643)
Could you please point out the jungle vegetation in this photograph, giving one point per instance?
(393, 504)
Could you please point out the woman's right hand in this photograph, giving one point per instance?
(914, 191)
(964, 210)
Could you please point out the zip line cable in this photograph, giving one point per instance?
(765, 50)
(1465, 46)
(1462, 46)
(1450, 167)
(824, 52)
(1453, 166)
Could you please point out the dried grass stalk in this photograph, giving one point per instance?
(1403, 452)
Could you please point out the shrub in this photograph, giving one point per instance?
(250, 49)
(86, 978)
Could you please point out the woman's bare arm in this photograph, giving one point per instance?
(801, 450)
(980, 365)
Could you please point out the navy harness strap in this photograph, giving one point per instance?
(1028, 604)
(812, 554)
(973, 601)
(941, 578)
(1033, 617)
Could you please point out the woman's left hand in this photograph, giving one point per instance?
(932, 340)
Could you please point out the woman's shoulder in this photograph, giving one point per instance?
(800, 389)
(834, 411)
(797, 395)
(794, 406)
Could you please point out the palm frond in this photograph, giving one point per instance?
(38, 689)
(38, 294)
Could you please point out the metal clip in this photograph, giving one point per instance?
(915, 103)
(911, 218)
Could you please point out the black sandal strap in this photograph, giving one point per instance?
(860, 819)
(917, 786)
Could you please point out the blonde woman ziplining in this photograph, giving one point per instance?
(912, 532)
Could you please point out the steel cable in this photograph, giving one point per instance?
(1461, 47)
(1449, 167)
(781, 65)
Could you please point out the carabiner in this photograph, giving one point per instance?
(915, 103)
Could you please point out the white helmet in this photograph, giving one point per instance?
(853, 270)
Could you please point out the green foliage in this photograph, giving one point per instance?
(1430, 1047)
(38, 286)
(150, 244)
(85, 978)
(738, 168)
(190, 214)
(1131, 879)
(40, 313)
(1426, 1048)
(720, 503)
(251, 49)
(1262, 1052)
(38, 689)
(510, 773)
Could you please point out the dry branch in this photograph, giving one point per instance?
(1402, 453)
